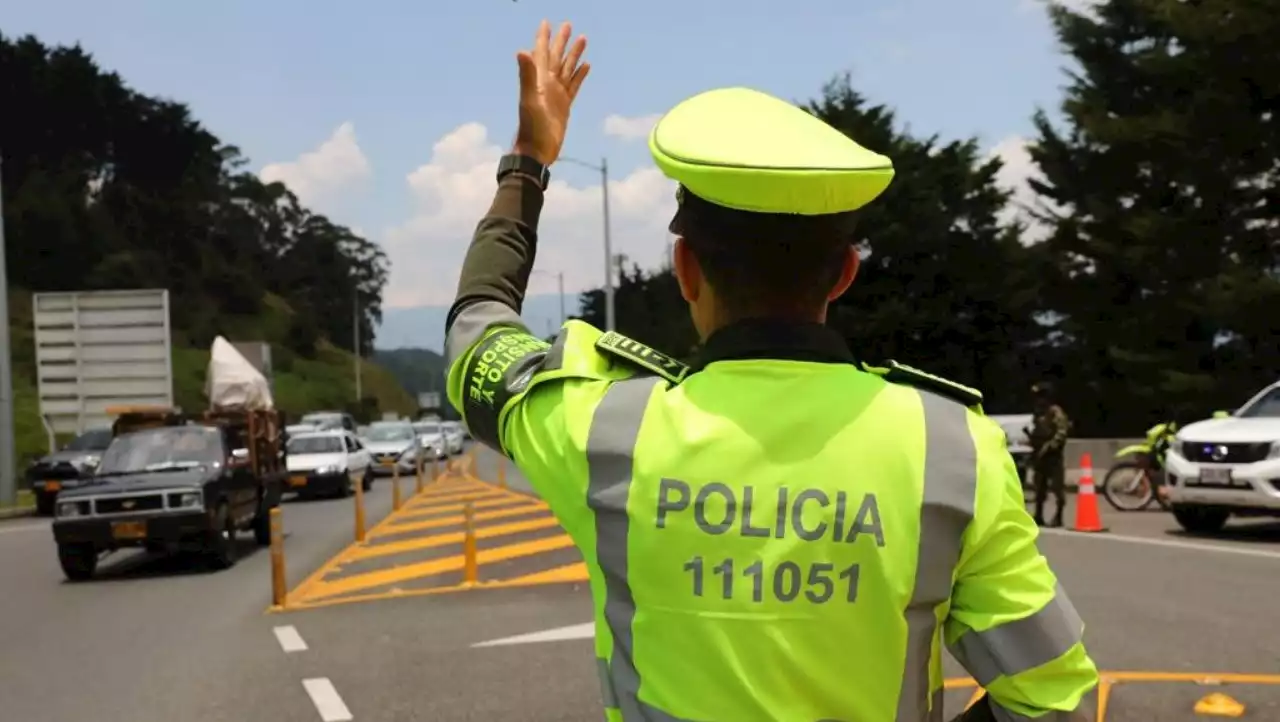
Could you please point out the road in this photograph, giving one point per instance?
(151, 644)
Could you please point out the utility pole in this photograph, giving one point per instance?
(8, 457)
(560, 281)
(610, 320)
(355, 339)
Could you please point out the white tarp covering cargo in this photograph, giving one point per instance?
(233, 382)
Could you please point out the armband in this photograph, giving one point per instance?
(897, 373)
(637, 354)
(498, 369)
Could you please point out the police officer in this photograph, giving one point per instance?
(774, 532)
(1048, 434)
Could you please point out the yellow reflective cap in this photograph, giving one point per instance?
(747, 150)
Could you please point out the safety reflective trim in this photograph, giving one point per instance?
(470, 325)
(606, 683)
(950, 485)
(611, 444)
(1023, 644)
(555, 357)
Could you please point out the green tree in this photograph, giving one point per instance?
(1161, 193)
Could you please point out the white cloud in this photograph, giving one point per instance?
(1014, 176)
(620, 126)
(317, 174)
(454, 189)
(1082, 7)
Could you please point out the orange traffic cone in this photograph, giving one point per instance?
(1088, 518)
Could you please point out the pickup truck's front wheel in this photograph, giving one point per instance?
(1200, 519)
(78, 561)
(221, 549)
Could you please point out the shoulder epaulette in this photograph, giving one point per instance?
(897, 373)
(638, 354)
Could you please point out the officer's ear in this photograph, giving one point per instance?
(688, 270)
(848, 271)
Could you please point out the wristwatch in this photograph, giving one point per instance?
(524, 165)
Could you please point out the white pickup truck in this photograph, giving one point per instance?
(1228, 465)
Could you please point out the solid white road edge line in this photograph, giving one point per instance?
(326, 699)
(289, 639)
(587, 630)
(1107, 536)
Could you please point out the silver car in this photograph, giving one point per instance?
(391, 444)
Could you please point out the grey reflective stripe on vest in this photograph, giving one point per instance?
(950, 485)
(1022, 644)
(611, 447)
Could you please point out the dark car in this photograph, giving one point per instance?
(64, 469)
(177, 486)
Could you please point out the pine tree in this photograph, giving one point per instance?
(1161, 196)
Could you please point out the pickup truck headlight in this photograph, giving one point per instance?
(188, 500)
(1275, 450)
(69, 509)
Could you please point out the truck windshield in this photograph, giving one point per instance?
(95, 440)
(164, 449)
(316, 445)
(1268, 406)
(397, 432)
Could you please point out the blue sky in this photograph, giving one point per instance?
(389, 116)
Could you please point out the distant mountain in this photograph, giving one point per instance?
(422, 327)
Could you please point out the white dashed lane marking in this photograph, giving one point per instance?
(327, 701)
(289, 639)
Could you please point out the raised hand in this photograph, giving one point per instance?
(550, 76)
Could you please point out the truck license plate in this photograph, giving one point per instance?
(129, 529)
(1215, 476)
(52, 485)
(389, 463)
(297, 481)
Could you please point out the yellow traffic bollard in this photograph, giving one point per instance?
(417, 473)
(395, 487)
(435, 468)
(360, 511)
(470, 569)
(502, 472)
(279, 591)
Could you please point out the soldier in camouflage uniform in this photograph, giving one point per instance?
(1049, 430)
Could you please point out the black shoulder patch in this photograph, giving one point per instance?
(902, 374)
(499, 368)
(638, 354)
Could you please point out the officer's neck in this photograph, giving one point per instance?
(721, 319)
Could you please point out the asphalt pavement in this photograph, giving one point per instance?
(151, 643)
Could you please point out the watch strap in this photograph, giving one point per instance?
(524, 165)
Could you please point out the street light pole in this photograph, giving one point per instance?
(8, 457)
(355, 338)
(610, 321)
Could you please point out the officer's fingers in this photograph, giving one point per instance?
(540, 42)
(575, 82)
(558, 45)
(570, 67)
(528, 72)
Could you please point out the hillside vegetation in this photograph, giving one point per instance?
(107, 188)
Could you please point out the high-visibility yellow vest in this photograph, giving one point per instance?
(776, 540)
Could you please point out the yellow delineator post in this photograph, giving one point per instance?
(279, 590)
(395, 487)
(435, 468)
(360, 512)
(470, 571)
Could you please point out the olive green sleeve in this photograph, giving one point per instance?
(1011, 624)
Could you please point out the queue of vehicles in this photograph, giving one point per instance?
(164, 480)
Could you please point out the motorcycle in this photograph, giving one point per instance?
(1132, 484)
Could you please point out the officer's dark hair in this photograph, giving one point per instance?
(764, 264)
